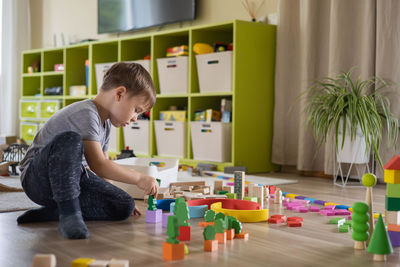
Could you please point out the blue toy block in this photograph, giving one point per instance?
(194, 211)
(164, 204)
(342, 207)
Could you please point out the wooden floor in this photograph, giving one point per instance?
(315, 244)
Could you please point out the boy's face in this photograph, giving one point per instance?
(127, 108)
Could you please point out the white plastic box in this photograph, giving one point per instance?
(215, 71)
(101, 69)
(136, 136)
(170, 138)
(211, 141)
(173, 75)
(167, 174)
(144, 62)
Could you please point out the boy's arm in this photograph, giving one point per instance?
(110, 170)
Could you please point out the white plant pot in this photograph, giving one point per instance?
(353, 151)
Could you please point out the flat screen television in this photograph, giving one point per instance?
(126, 15)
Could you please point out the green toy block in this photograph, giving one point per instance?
(379, 242)
(209, 216)
(343, 228)
(237, 226)
(172, 230)
(392, 203)
(220, 215)
(152, 203)
(349, 223)
(360, 219)
(230, 222)
(393, 190)
(182, 212)
(254, 199)
(209, 232)
(335, 220)
(231, 195)
(222, 192)
(219, 226)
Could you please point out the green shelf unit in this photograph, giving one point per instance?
(52, 57)
(252, 92)
(101, 52)
(74, 65)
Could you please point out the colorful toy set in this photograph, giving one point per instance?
(177, 51)
(392, 180)
(49, 260)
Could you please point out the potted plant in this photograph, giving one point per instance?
(355, 111)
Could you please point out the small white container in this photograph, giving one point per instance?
(173, 75)
(145, 63)
(136, 136)
(170, 138)
(101, 69)
(215, 72)
(211, 141)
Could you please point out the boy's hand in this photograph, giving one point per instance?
(149, 185)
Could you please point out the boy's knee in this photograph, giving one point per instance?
(126, 209)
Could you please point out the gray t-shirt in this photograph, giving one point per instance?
(81, 117)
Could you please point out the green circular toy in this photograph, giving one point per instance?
(369, 180)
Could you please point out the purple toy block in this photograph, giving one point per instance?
(303, 209)
(299, 197)
(394, 238)
(165, 218)
(329, 207)
(314, 209)
(153, 216)
(319, 202)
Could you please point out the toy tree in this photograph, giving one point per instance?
(152, 203)
(360, 219)
(209, 233)
(220, 226)
(220, 215)
(181, 210)
(237, 226)
(379, 244)
(172, 230)
(230, 222)
(369, 181)
(209, 216)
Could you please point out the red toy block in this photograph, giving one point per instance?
(278, 216)
(275, 220)
(271, 189)
(184, 233)
(230, 234)
(294, 223)
(173, 252)
(221, 237)
(242, 235)
(294, 219)
(211, 245)
(393, 164)
(204, 224)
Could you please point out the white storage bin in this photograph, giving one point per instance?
(211, 141)
(136, 136)
(173, 75)
(101, 69)
(167, 174)
(215, 71)
(145, 63)
(170, 138)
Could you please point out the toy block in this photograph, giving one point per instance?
(204, 224)
(394, 238)
(393, 227)
(393, 164)
(165, 219)
(329, 207)
(294, 224)
(314, 209)
(211, 245)
(299, 197)
(230, 189)
(302, 201)
(376, 215)
(254, 199)
(271, 189)
(153, 216)
(221, 237)
(294, 219)
(310, 199)
(173, 252)
(230, 234)
(278, 216)
(118, 263)
(278, 196)
(343, 229)
(98, 263)
(319, 202)
(393, 190)
(335, 220)
(81, 262)
(392, 204)
(342, 207)
(330, 204)
(327, 212)
(231, 195)
(303, 209)
(232, 169)
(222, 192)
(242, 235)
(276, 220)
(392, 217)
(44, 260)
(184, 233)
(239, 182)
(291, 196)
(392, 176)
(342, 212)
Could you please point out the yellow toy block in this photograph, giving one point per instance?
(82, 262)
(392, 176)
(291, 196)
(330, 204)
(351, 209)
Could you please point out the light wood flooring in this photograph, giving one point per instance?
(317, 243)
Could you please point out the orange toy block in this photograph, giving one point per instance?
(211, 245)
(393, 227)
(230, 234)
(221, 237)
(242, 235)
(173, 252)
(204, 224)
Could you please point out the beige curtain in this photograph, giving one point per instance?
(319, 38)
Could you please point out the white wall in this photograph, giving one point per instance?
(78, 18)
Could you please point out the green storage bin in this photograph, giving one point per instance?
(29, 109)
(48, 108)
(28, 131)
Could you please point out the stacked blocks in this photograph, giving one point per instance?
(392, 180)
(153, 215)
(172, 249)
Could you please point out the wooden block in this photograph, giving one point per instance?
(194, 183)
(393, 227)
(242, 235)
(44, 260)
(392, 204)
(215, 196)
(221, 237)
(211, 245)
(82, 262)
(230, 234)
(239, 182)
(187, 188)
(393, 190)
(118, 263)
(250, 192)
(217, 186)
(204, 224)
(392, 217)
(230, 189)
(173, 252)
(392, 176)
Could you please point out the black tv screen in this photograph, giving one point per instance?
(127, 15)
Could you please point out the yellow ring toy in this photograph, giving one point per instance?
(242, 215)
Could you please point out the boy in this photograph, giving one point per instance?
(53, 172)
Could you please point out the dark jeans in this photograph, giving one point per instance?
(56, 174)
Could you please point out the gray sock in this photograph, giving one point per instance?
(72, 226)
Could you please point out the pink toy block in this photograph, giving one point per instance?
(327, 212)
(314, 209)
(303, 209)
(349, 218)
(165, 219)
(342, 212)
(153, 216)
(330, 207)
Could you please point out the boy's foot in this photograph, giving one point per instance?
(73, 227)
(42, 214)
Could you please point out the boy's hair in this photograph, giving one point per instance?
(133, 77)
